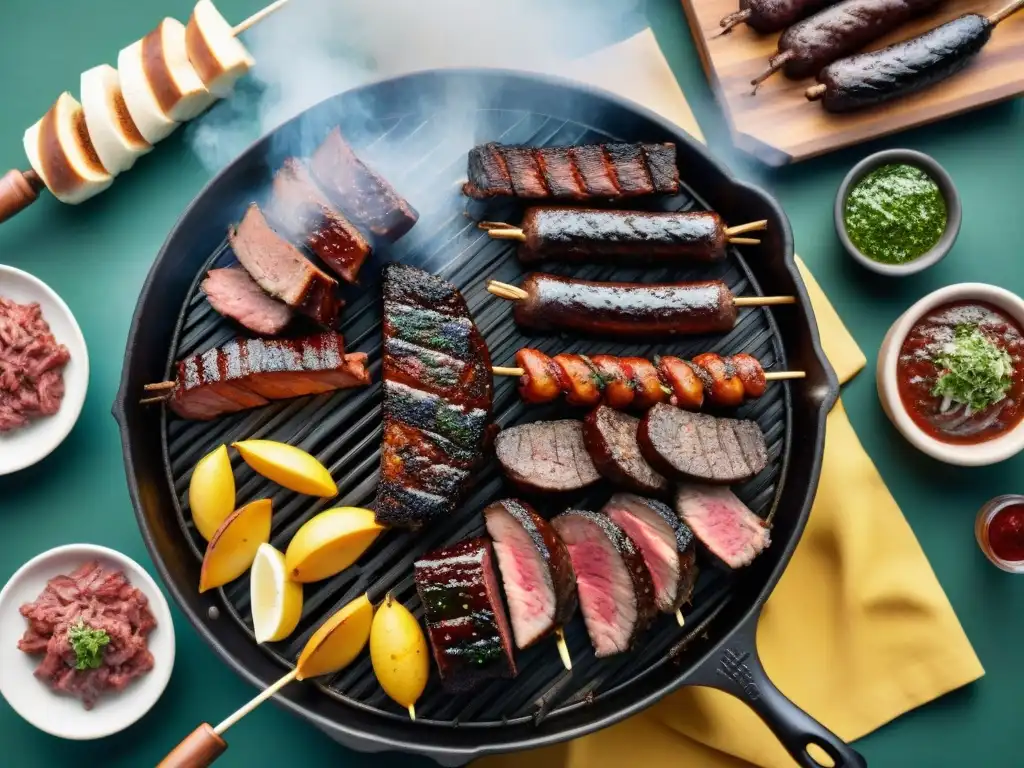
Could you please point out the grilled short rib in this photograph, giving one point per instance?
(248, 373)
(696, 446)
(614, 587)
(280, 269)
(233, 293)
(438, 391)
(546, 457)
(610, 438)
(535, 569)
(465, 618)
(301, 209)
(362, 194)
(723, 523)
(666, 543)
(574, 173)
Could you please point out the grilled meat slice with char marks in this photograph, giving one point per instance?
(575, 173)
(614, 587)
(438, 390)
(466, 623)
(684, 445)
(535, 569)
(301, 208)
(247, 373)
(233, 293)
(546, 456)
(723, 523)
(280, 269)
(360, 192)
(666, 543)
(610, 438)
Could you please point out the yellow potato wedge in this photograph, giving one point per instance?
(398, 651)
(288, 466)
(233, 547)
(274, 600)
(330, 542)
(338, 640)
(211, 492)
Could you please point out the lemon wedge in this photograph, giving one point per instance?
(288, 466)
(276, 602)
(211, 492)
(338, 640)
(398, 652)
(233, 547)
(330, 542)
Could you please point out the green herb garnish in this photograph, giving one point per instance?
(975, 371)
(88, 644)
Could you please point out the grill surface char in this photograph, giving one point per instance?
(420, 146)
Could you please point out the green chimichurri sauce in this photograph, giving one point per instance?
(895, 214)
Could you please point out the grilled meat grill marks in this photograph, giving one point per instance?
(247, 373)
(615, 589)
(574, 173)
(682, 445)
(465, 618)
(546, 457)
(535, 570)
(438, 389)
(610, 437)
(281, 270)
(365, 196)
(304, 212)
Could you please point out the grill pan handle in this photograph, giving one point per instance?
(736, 669)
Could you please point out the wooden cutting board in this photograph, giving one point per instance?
(780, 126)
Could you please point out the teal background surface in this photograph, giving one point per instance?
(97, 256)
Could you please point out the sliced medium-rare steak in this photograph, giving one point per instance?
(281, 270)
(535, 569)
(438, 390)
(685, 445)
(302, 210)
(247, 373)
(360, 192)
(723, 523)
(610, 437)
(233, 293)
(615, 590)
(666, 543)
(546, 456)
(465, 617)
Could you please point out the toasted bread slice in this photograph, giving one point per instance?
(112, 131)
(217, 55)
(60, 151)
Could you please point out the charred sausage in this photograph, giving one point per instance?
(724, 386)
(629, 310)
(837, 31)
(576, 234)
(873, 78)
(767, 16)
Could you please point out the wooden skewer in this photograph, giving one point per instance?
(679, 617)
(245, 709)
(160, 386)
(501, 370)
(257, 17)
(1003, 13)
(753, 226)
(563, 649)
(744, 241)
(514, 293)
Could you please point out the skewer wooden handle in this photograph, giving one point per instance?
(18, 190)
(197, 750)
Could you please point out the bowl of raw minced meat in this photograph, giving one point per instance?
(86, 641)
(44, 370)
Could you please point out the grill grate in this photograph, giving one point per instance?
(344, 429)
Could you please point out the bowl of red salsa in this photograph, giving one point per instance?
(951, 374)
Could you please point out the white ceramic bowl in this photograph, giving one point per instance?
(24, 447)
(62, 715)
(979, 454)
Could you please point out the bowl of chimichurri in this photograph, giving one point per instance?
(897, 212)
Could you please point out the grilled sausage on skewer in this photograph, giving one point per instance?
(766, 16)
(578, 234)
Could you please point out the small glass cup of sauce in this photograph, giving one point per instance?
(999, 530)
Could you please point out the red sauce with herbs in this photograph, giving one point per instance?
(917, 373)
(1006, 533)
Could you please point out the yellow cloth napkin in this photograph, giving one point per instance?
(857, 632)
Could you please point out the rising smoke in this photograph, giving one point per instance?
(313, 49)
